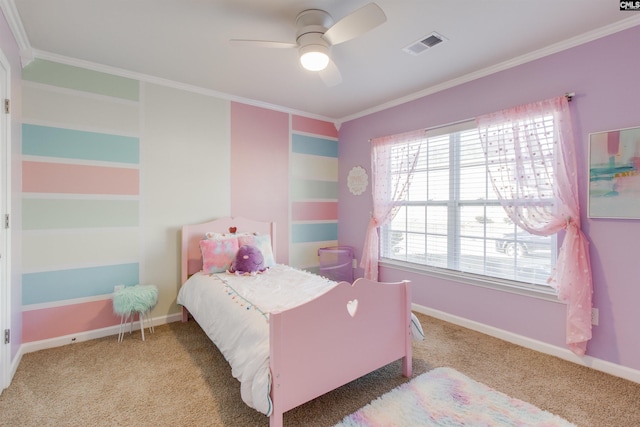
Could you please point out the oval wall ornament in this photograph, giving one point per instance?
(357, 180)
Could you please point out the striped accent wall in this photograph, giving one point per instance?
(313, 190)
(80, 197)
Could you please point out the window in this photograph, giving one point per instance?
(452, 221)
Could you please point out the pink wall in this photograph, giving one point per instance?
(260, 169)
(604, 76)
(68, 319)
(309, 211)
(313, 126)
(43, 177)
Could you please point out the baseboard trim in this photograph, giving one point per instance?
(88, 335)
(562, 353)
(14, 366)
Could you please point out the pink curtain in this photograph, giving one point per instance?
(529, 169)
(400, 152)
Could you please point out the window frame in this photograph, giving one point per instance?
(453, 214)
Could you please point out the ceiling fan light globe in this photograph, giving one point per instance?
(314, 58)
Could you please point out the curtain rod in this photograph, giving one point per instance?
(568, 95)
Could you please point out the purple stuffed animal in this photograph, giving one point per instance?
(248, 260)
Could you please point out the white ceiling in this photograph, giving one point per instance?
(186, 42)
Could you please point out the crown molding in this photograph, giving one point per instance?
(12, 16)
(541, 53)
(27, 54)
(48, 56)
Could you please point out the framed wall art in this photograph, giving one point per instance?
(614, 174)
(357, 180)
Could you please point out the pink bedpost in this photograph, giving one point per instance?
(275, 355)
(407, 360)
(275, 420)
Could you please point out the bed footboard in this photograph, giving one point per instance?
(336, 338)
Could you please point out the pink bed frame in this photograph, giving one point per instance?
(323, 344)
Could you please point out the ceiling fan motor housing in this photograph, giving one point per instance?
(312, 24)
(314, 17)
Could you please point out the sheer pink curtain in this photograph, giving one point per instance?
(529, 169)
(400, 151)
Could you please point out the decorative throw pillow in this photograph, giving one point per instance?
(217, 255)
(262, 242)
(248, 260)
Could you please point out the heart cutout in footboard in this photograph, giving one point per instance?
(352, 307)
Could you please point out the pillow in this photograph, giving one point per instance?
(248, 261)
(218, 254)
(262, 242)
(212, 235)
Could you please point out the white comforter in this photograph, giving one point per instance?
(234, 311)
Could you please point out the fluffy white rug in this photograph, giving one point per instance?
(445, 397)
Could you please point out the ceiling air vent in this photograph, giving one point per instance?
(425, 43)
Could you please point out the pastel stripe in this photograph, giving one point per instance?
(64, 249)
(305, 189)
(319, 127)
(314, 167)
(70, 110)
(38, 214)
(304, 233)
(304, 144)
(314, 211)
(66, 320)
(75, 144)
(50, 286)
(305, 255)
(40, 177)
(82, 79)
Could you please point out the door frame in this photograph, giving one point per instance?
(5, 233)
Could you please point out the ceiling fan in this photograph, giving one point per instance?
(317, 33)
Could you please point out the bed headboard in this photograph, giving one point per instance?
(192, 234)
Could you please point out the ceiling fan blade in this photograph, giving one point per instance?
(355, 24)
(331, 75)
(262, 43)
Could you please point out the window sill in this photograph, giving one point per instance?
(474, 280)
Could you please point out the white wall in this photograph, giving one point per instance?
(185, 178)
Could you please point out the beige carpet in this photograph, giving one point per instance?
(178, 378)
